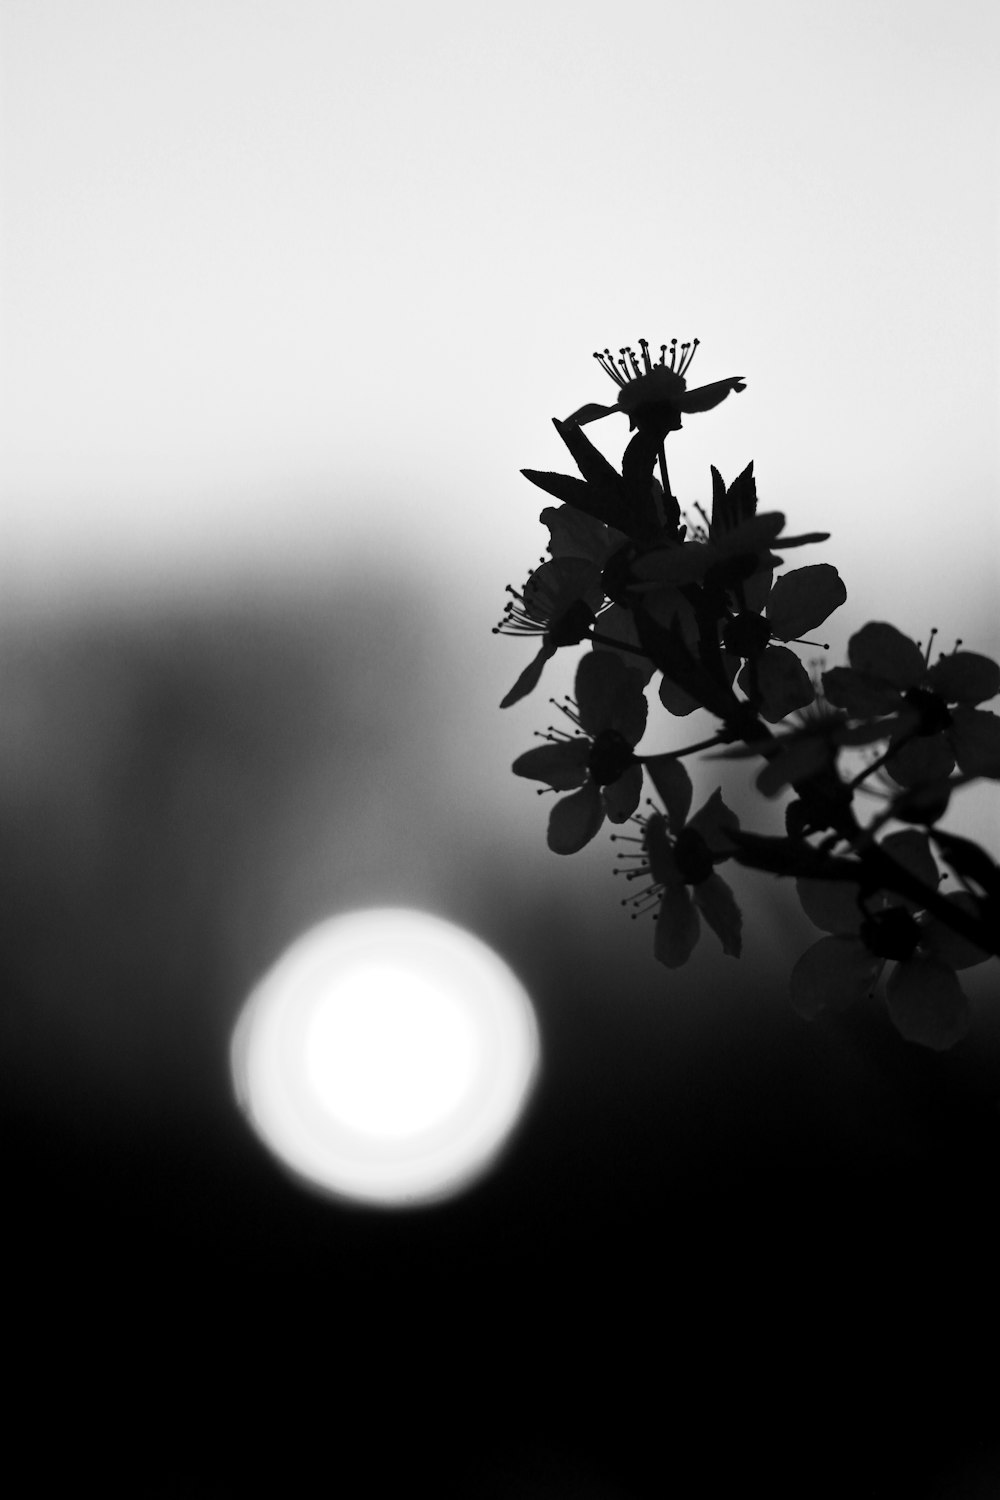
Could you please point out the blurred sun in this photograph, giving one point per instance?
(386, 1058)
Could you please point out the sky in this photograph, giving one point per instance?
(286, 284)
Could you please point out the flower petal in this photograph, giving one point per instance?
(575, 820)
(797, 759)
(804, 598)
(830, 904)
(677, 927)
(757, 589)
(621, 797)
(912, 850)
(715, 821)
(882, 651)
(554, 586)
(561, 766)
(777, 682)
(610, 696)
(704, 397)
(964, 677)
(673, 786)
(675, 700)
(717, 905)
(677, 566)
(616, 623)
(975, 737)
(926, 758)
(831, 975)
(926, 1003)
(590, 413)
(574, 533)
(529, 677)
(949, 946)
(863, 697)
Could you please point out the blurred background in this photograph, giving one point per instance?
(290, 293)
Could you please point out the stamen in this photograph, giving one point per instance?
(930, 642)
(572, 712)
(673, 354)
(607, 364)
(686, 363)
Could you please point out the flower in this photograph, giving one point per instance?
(679, 856)
(924, 999)
(772, 677)
(559, 603)
(934, 722)
(733, 565)
(610, 714)
(655, 392)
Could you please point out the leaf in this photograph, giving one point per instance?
(586, 497)
(665, 645)
(741, 497)
(591, 462)
(616, 499)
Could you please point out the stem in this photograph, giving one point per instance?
(717, 739)
(664, 480)
(777, 857)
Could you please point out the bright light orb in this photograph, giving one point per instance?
(386, 1058)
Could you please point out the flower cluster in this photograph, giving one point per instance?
(700, 608)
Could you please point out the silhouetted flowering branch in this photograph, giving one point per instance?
(694, 605)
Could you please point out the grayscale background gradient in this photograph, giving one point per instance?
(289, 293)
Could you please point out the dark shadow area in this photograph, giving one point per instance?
(741, 1254)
